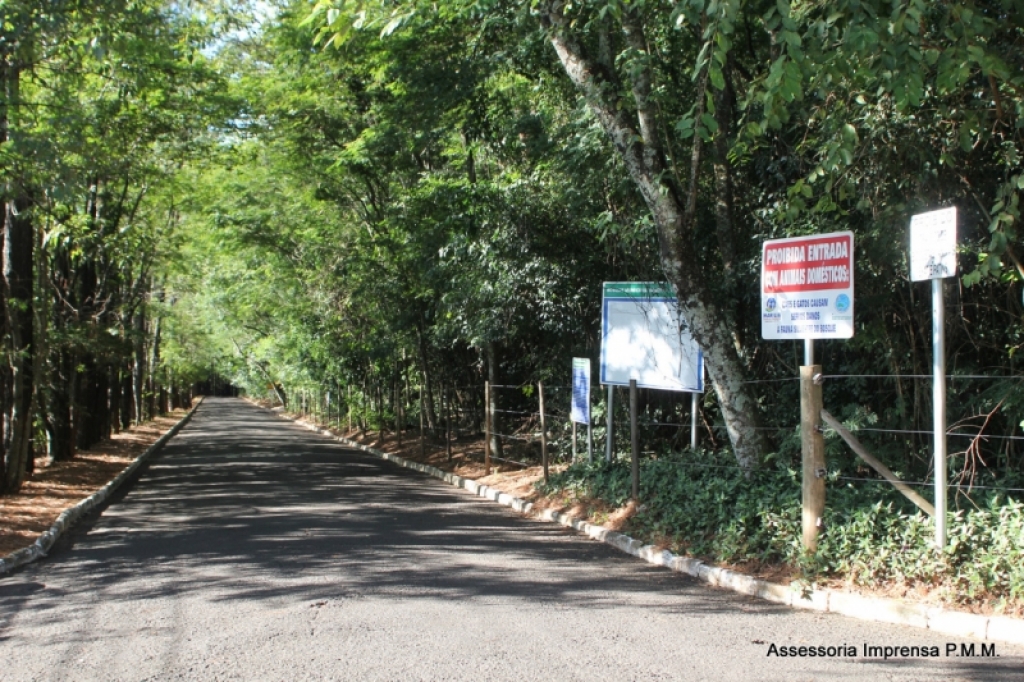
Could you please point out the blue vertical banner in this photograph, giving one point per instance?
(581, 390)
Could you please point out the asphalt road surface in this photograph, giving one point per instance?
(253, 549)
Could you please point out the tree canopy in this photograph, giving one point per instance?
(360, 196)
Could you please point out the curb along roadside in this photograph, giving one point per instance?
(71, 515)
(876, 609)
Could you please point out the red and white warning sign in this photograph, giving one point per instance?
(807, 287)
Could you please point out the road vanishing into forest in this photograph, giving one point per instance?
(253, 549)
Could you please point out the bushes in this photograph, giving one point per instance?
(705, 507)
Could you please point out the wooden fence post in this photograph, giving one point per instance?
(447, 400)
(423, 439)
(487, 428)
(543, 431)
(813, 455)
(399, 422)
(573, 441)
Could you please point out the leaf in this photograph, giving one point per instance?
(717, 79)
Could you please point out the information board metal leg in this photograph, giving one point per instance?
(487, 428)
(609, 434)
(694, 403)
(634, 438)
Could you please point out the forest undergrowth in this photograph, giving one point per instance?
(873, 540)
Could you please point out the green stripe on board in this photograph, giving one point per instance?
(638, 290)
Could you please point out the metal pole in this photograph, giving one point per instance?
(543, 431)
(609, 435)
(939, 404)
(634, 438)
(487, 428)
(694, 402)
(590, 442)
(808, 352)
(574, 442)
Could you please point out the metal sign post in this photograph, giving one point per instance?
(939, 405)
(694, 403)
(933, 257)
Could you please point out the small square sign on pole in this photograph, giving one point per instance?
(581, 390)
(933, 245)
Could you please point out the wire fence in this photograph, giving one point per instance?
(461, 410)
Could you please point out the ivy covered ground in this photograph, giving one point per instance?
(873, 538)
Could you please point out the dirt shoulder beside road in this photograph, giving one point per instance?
(55, 487)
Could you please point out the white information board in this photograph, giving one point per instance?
(642, 338)
(807, 287)
(933, 245)
(580, 412)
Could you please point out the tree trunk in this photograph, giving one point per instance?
(126, 397)
(492, 409)
(59, 424)
(139, 367)
(115, 397)
(724, 212)
(154, 362)
(18, 243)
(85, 403)
(637, 139)
(18, 247)
(5, 370)
(427, 396)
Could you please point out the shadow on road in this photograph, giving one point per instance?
(242, 505)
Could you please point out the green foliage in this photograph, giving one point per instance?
(705, 506)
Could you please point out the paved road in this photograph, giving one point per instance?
(252, 549)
